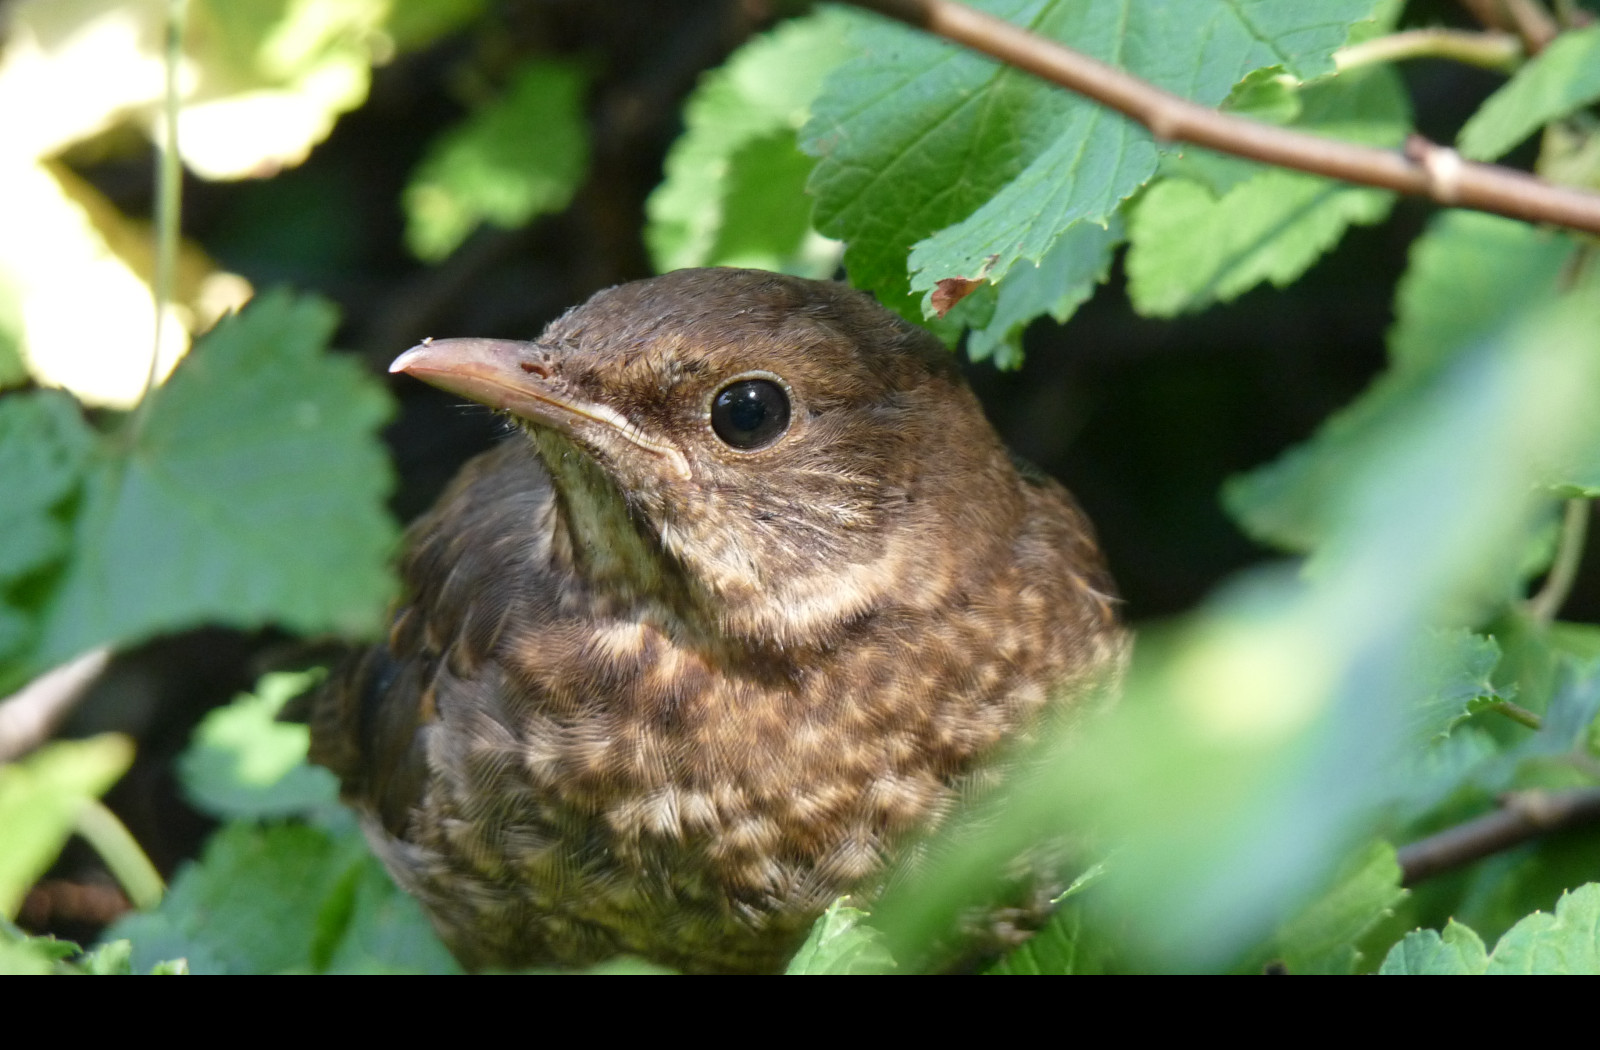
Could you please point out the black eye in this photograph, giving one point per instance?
(750, 414)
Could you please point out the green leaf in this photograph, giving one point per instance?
(1322, 938)
(1190, 248)
(841, 943)
(1561, 79)
(44, 447)
(521, 156)
(930, 146)
(1470, 277)
(39, 801)
(1567, 942)
(1456, 672)
(1425, 952)
(923, 144)
(1069, 944)
(244, 763)
(1062, 281)
(249, 905)
(734, 192)
(382, 930)
(252, 495)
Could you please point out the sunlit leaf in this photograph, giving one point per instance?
(734, 192)
(39, 801)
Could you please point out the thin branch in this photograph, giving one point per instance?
(1533, 23)
(169, 188)
(1543, 606)
(31, 714)
(1500, 52)
(1421, 169)
(1527, 18)
(1523, 815)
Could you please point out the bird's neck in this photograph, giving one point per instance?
(598, 536)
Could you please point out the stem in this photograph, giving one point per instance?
(116, 846)
(1518, 714)
(1523, 815)
(1500, 52)
(169, 201)
(1543, 606)
(1421, 169)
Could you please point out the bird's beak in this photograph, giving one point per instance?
(500, 373)
(520, 379)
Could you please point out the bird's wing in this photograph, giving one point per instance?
(471, 567)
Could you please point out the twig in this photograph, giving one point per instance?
(31, 714)
(1527, 18)
(1523, 815)
(1543, 606)
(1492, 50)
(169, 188)
(1421, 169)
(124, 858)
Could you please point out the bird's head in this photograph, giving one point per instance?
(777, 455)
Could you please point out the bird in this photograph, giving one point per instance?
(746, 604)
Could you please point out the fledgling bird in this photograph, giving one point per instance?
(743, 609)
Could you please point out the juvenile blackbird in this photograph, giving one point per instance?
(744, 607)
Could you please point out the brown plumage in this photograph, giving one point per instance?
(741, 612)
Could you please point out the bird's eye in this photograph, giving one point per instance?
(750, 414)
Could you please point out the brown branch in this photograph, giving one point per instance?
(1527, 18)
(1421, 169)
(1523, 815)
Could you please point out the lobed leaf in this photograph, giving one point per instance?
(252, 495)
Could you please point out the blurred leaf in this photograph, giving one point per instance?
(39, 801)
(734, 192)
(1561, 79)
(264, 79)
(1190, 248)
(67, 245)
(1067, 944)
(252, 495)
(244, 763)
(1322, 938)
(12, 369)
(1457, 951)
(521, 156)
(1254, 737)
(44, 446)
(841, 943)
(417, 23)
(922, 144)
(1470, 276)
